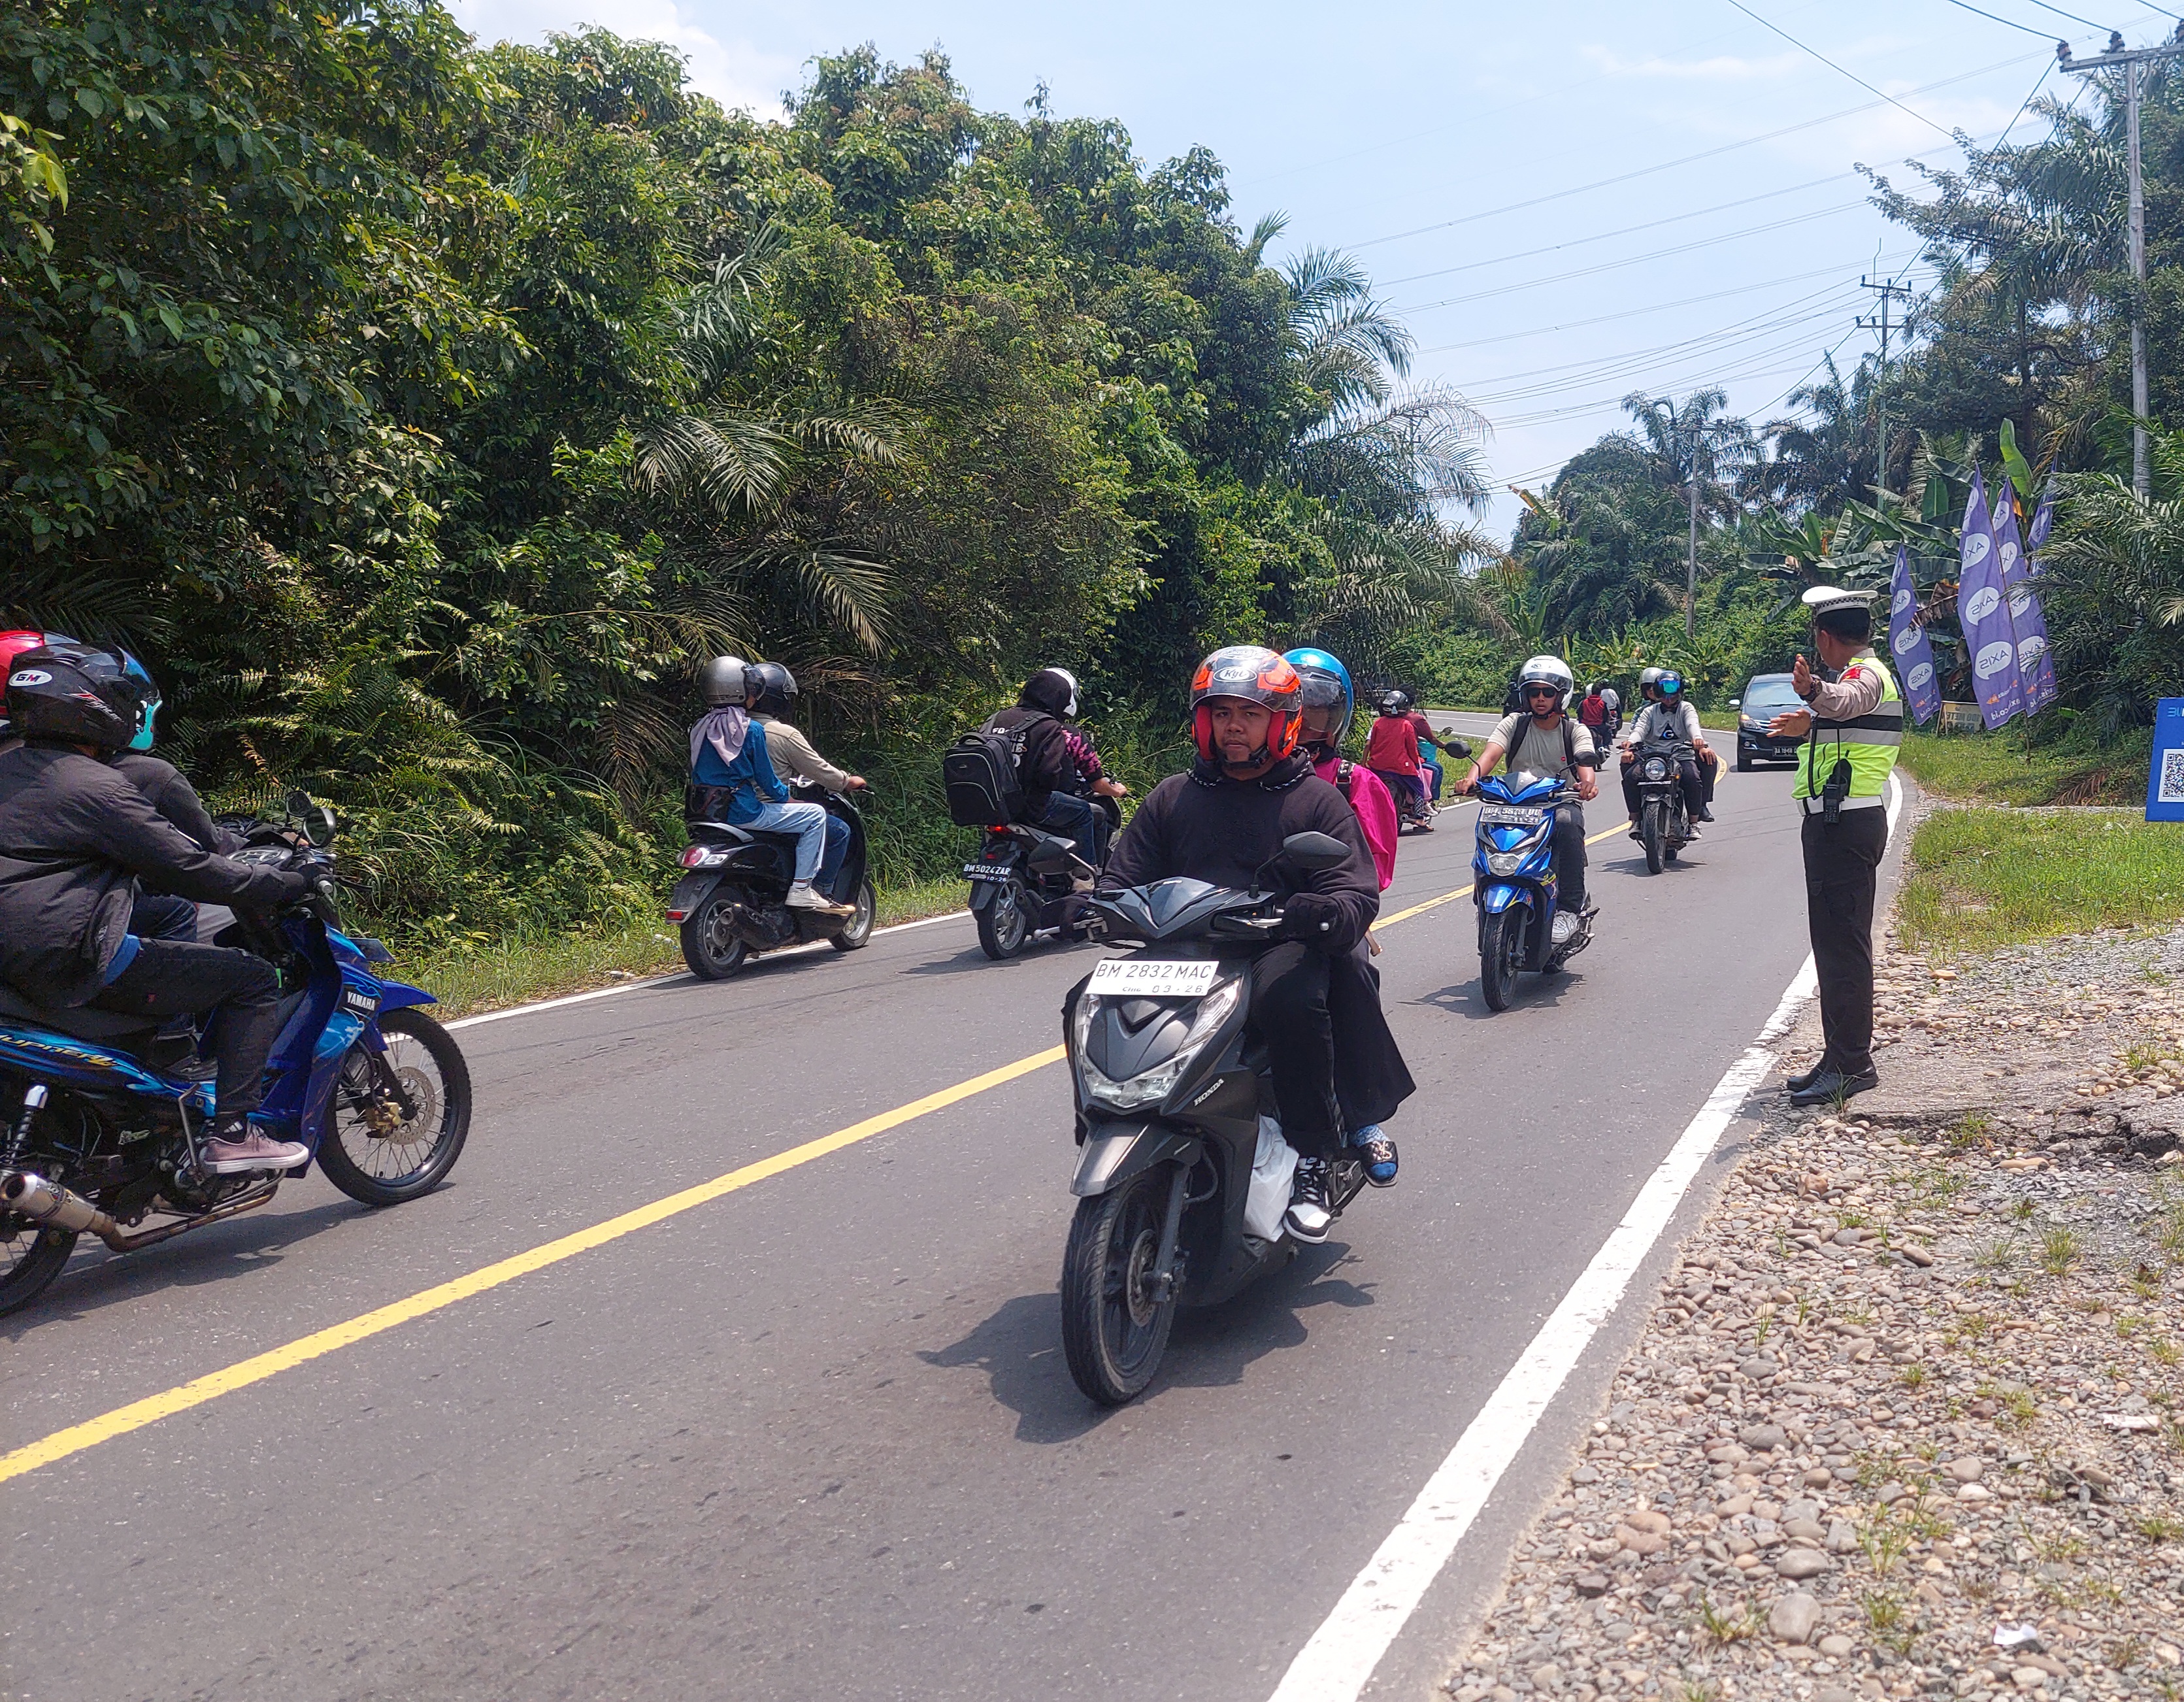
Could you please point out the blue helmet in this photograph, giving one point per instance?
(1326, 684)
(148, 700)
(1670, 683)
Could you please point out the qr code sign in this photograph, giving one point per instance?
(2171, 790)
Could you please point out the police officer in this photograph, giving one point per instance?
(1852, 728)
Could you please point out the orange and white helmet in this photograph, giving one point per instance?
(1256, 675)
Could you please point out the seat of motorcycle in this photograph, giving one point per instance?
(75, 1021)
(723, 834)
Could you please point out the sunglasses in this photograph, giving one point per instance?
(1541, 691)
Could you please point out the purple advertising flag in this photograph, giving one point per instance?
(2032, 624)
(1907, 649)
(1984, 614)
(2027, 622)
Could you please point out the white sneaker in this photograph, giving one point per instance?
(803, 896)
(253, 1152)
(1308, 1218)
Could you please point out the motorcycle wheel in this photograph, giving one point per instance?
(371, 1157)
(1501, 956)
(860, 928)
(31, 1257)
(713, 950)
(1649, 836)
(1005, 924)
(1113, 1331)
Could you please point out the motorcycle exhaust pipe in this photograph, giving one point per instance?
(43, 1202)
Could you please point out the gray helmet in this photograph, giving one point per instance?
(771, 686)
(724, 681)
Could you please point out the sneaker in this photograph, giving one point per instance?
(248, 1150)
(1379, 1153)
(803, 896)
(1690, 831)
(1308, 1217)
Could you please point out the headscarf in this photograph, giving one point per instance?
(725, 729)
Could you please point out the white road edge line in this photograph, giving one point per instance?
(1343, 1653)
(676, 975)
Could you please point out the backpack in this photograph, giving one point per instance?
(1569, 749)
(981, 772)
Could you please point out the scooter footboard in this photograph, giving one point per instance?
(1113, 1152)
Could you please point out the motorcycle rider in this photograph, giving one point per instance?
(1353, 987)
(1545, 743)
(733, 779)
(1669, 719)
(1221, 823)
(773, 695)
(1429, 745)
(1592, 712)
(1392, 752)
(1055, 784)
(74, 835)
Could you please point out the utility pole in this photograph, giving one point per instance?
(2134, 62)
(1888, 291)
(1691, 560)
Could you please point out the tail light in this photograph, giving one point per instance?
(697, 857)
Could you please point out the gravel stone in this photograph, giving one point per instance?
(1802, 1563)
(1792, 1618)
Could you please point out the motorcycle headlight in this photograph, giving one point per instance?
(1153, 1085)
(1656, 768)
(1504, 862)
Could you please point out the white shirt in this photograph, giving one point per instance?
(1664, 723)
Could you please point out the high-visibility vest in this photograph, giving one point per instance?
(1869, 743)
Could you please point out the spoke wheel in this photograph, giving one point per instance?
(1501, 956)
(710, 944)
(376, 1152)
(1005, 924)
(1114, 1328)
(860, 927)
(30, 1257)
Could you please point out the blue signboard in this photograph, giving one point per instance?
(2165, 782)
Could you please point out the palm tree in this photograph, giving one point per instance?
(1824, 457)
(1695, 445)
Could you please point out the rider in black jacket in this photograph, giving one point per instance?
(1221, 823)
(74, 835)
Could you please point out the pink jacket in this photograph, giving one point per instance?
(1375, 807)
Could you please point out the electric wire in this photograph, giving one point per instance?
(2007, 23)
(1833, 66)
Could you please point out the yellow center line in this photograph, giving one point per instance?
(137, 1415)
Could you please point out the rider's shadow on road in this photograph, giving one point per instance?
(1464, 999)
(1019, 1346)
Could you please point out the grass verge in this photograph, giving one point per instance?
(1979, 879)
(514, 971)
(2000, 769)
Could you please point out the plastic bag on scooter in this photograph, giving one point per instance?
(1273, 1167)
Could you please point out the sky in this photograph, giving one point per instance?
(1565, 202)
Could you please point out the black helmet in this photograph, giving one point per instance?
(771, 686)
(724, 681)
(74, 694)
(1053, 689)
(1395, 703)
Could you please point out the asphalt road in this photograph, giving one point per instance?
(815, 1439)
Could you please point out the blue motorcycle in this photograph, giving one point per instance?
(1519, 925)
(104, 1115)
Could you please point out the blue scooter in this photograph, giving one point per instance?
(1520, 926)
(102, 1117)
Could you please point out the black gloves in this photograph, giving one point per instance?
(1311, 917)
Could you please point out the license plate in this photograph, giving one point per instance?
(978, 871)
(1155, 977)
(1511, 816)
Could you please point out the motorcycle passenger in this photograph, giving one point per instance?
(1428, 745)
(1669, 719)
(1614, 700)
(1544, 744)
(74, 836)
(1392, 752)
(1592, 712)
(733, 779)
(1049, 767)
(1250, 789)
(773, 694)
(1353, 987)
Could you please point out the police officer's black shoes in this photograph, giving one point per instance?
(1706, 812)
(1832, 1085)
(1804, 1078)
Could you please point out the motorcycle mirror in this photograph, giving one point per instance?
(297, 805)
(320, 826)
(1312, 852)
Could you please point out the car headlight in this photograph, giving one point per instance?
(1657, 768)
(1154, 1085)
(1750, 723)
(1505, 862)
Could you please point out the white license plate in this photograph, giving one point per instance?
(1512, 816)
(978, 871)
(1155, 977)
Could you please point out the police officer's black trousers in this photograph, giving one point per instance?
(1842, 866)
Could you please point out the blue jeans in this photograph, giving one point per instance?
(1077, 818)
(838, 848)
(808, 822)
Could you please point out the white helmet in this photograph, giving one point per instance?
(1548, 671)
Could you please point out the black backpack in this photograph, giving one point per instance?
(981, 773)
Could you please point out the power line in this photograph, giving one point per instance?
(2023, 105)
(1995, 17)
(1833, 66)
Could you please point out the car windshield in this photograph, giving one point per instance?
(1772, 693)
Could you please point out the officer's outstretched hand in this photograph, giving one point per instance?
(1801, 678)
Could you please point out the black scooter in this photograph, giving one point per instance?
(1027, 884)
(731, 900)
(1169, 1091)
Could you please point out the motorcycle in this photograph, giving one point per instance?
(1170, 1091)
(1664, 827)
(732, 900)
(1514, 886)
(105, 1113)
(1027, 884)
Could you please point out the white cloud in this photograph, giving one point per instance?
(734, 72)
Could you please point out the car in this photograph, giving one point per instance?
(1766, 695)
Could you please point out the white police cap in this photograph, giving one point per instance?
(1827, 599)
